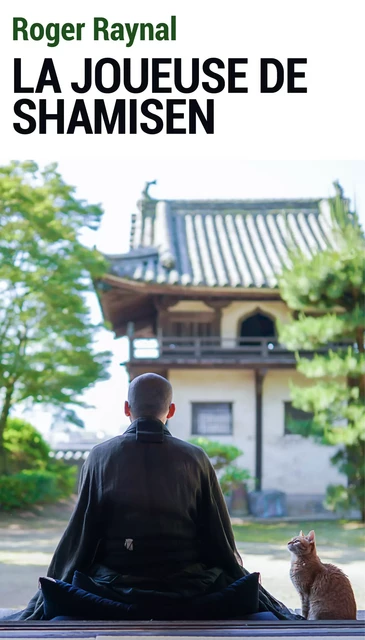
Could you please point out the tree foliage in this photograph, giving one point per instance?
(222, 456)
(46, 334)
(332, 282)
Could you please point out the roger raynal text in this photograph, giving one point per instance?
(128, 32)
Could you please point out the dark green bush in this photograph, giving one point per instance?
(29, 487)
(25, 446)
(34, 476)
(66, 477)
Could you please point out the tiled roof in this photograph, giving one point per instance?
(220, 243)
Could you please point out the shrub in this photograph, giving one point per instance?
(222, 455)
(66, 477)
(29, 487)
(34, 476)
(25, 446)
(232, 477)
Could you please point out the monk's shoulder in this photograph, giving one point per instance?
(189, 449)
(105, 448)
(106, 451)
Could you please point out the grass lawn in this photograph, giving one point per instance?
(334, 533)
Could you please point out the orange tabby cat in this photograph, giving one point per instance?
(325, 591)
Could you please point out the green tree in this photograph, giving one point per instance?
(332, 284)
(47, 350)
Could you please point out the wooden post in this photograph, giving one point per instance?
(259, 379)
(197, 348)
(160, 342)
(264, 347)
(130, 334)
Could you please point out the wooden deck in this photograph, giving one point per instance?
(156, 629)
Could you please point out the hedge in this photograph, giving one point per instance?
(31, 486)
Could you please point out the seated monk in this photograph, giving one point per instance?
(150, 516)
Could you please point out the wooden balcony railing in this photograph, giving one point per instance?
(214, 349)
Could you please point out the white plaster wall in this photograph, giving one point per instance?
(237, 387)
(233, 315)
(291, 463)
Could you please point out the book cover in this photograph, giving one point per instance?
(179, 182)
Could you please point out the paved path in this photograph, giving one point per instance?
(27, 544)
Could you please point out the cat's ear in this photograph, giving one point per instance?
(301, 534)
(311, 536)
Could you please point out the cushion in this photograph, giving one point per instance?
(238, 599)
(62, 599)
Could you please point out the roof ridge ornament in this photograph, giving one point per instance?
(164, 235)
(145, 192)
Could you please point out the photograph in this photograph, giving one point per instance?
(246, 309)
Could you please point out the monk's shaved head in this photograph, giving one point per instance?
(149, 395)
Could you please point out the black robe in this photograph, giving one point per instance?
(150, 515)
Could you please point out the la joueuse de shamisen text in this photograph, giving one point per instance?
(121, 107)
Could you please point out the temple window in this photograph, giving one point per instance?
(212, 418)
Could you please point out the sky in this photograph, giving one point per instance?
(117, 184)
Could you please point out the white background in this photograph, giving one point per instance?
(325, 123)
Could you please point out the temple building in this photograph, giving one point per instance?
(197, 297)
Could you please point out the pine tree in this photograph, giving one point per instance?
(331, 283)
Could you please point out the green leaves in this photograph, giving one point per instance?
(336, 364)
(334, 277)
(232, 477)
(222, 456)
(328, 290)
(25, 446)
(309, 333)
(46, 333)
